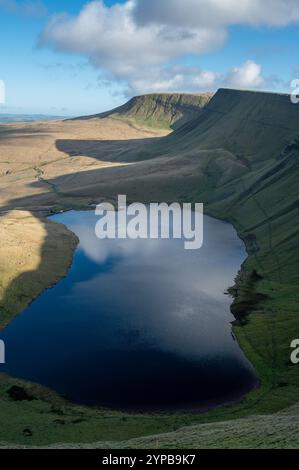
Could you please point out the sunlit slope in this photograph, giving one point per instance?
(159, 110)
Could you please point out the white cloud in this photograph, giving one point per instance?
(115, 44)
(175, 78)
(112, 39)
(134, 42)
(205, 79)
(246, 76)
(217, 13)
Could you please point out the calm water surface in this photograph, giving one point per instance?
(136, 324)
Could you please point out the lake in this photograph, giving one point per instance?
(136, 324)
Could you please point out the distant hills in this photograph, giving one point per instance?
(11, 118)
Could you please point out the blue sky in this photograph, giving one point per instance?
(92, 60)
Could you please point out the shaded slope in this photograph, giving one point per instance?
(253, 125)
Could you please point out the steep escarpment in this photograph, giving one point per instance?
(254, 125)
(159, 110)
(252, 140)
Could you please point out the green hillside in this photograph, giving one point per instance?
(161, 110)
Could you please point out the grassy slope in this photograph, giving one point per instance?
(161, 110)
(250, 178)
(258, 432)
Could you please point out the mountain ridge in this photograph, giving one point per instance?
(158, 110)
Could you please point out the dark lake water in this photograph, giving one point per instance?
(136, 324)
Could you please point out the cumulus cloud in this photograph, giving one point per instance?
(247, 75)
(112, 39)
(217, 13)
(173, 78)
(192, 79)
(135, 42)
(116, 44)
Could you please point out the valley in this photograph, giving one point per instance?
(238, 154)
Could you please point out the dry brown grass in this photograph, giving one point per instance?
(33, 153)
(17, 255)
